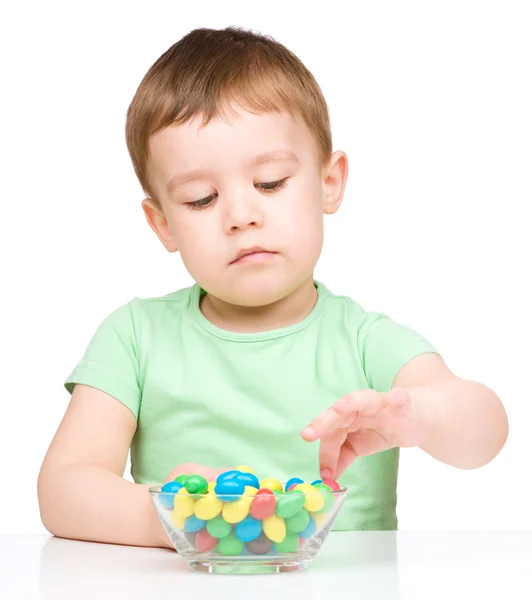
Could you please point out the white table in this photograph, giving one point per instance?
(356, 565)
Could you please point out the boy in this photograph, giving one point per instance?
(229, 136)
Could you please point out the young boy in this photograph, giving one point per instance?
(229, 136)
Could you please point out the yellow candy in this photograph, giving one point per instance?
(274, 528)
(271, 484)
(234, 512)
(211, 486)
(177, 521)
(320, 518)
(245, 469)
(208, 507)
(314, 501)
(183, 504)
(249, 490)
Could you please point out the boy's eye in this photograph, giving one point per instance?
(268, 187)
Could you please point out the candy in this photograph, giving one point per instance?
(177, 520)
(263, 504)
(289, 544)
(290, 503)
(328, 498)
(248, 479)
(234, 512)
(218, 527)
(262, 545)
(230, 545)
(238, 514)
(319, 517)
(271, 484)
(274, 527)
(205, 542)
(194, 524)
(208, 507)
(298, 522)
(196, 484)
(334, 485)
(309, 530)
(168, 492)
(229, 487)
(291, 481)
(183, 504)
(249, 529)
(314, 501)
(172, 487)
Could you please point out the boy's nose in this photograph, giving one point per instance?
(242, 214)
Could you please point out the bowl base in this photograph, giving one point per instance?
(255, 567)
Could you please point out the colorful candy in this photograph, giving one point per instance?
(196, 484)
(230, 545)
(205, 542)
(238, 514)
(249, 529)
(263, 504)
(274, 528)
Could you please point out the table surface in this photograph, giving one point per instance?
(360, 565)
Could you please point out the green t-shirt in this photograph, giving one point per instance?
(205, 395)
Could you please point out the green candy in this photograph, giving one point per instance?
(230, 545)
(181, 479)
(298, 522)
(289, 544)
(327, 496)
(278, 492)
(196, 484)
(218, 527)
(290, 503)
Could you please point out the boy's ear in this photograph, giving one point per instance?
(334, 180)
(157, 221)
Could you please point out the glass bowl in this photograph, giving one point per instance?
(226, 534)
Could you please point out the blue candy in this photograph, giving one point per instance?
(234, 487)
(248, 479)
(309, 530)
(228, 475)
(169, 490)
(316, 481)
(249, 529)
(194, 524)
(291, 482)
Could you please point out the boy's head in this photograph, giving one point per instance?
(230, 139)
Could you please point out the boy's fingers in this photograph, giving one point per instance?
(330, 448)
(325, 423)
(365, 402)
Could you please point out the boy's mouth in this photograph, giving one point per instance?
(255, 254)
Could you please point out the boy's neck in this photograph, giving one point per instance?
(254, 319)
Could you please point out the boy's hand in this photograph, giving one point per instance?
(363, 423)
(194, 469)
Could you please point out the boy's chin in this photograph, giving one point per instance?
(255, 293)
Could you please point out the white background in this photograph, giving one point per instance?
(432, 103)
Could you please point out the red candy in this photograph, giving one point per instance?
(204, 541)
(292, 487)
(334, 485)
(263, 504)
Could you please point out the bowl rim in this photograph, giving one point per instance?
(156, 490)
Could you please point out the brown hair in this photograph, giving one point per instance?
(209, 69)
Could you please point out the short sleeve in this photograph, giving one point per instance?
(110, 362)
(385, 346)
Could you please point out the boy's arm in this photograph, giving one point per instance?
(82, 494)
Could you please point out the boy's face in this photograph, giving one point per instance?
(218, 214)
